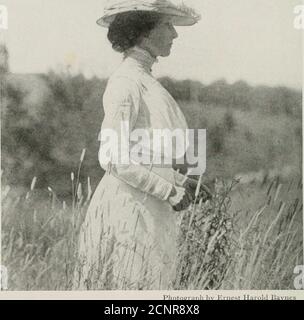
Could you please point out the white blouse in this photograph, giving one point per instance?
(134, 95)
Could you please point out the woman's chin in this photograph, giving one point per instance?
(166, 53)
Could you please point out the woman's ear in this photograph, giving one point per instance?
(144, 40)
(146, 44)
(141, 41)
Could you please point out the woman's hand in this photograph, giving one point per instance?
(180, 199)
(191, 184)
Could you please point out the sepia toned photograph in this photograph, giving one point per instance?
(151, 145)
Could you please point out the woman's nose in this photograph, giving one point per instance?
(174, 33)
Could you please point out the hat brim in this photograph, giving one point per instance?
(177, 20)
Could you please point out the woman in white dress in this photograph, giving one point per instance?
(128, 238)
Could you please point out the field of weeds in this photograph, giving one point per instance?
(245, 237)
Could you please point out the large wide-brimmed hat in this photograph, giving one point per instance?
(181, 14)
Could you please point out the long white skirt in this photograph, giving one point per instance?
(127, 241)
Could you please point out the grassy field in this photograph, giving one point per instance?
(249, 236)
(246, 237)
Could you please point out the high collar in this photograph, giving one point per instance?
(142, 56)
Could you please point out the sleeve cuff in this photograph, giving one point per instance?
(175, 200)
(179, 178)
(158, 187)
(167, 194)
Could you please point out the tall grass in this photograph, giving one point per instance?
(219, 247)
(270, 241)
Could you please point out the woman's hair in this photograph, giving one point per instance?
(129, 28)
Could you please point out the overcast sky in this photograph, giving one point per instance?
(253, 40)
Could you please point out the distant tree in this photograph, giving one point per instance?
(218, 93)
(240, 97)
(16, 126)
(4, 58)
(216, 138)
(229, 121)
(4, 69)
(286, 101)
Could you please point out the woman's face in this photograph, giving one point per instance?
(160, 39)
